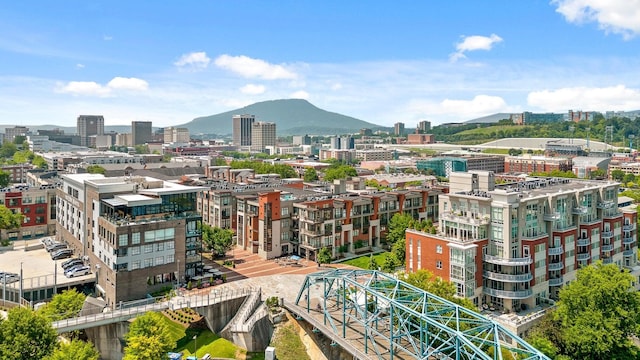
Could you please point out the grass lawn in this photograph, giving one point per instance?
(363, 261)
(207, 341)
(288, 344)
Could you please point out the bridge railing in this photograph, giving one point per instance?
(121, 313)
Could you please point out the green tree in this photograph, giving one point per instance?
(9, 220)
(5, 178)
(339, 172)
(142, 149)
(26, 335)
(218, 240)
(310, 174)
(628, 178)
(96, 169)
(397, 226)
(65, 305)
(398, 251)
(39, 162)
(76, 349)
(373, 264)
(324, 256)
(8, 149)
(427, 281)
(598, 312)
(598, 174)
(617, 175)
(389, 263)
(149, 337)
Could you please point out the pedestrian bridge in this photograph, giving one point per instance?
(130, 310)
(373, 315)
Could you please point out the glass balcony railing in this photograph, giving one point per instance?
(556, 250)
(556, 281)
(556, 266)
(607, 234)
(583, 242)
(552, 216)
(508, 277)
(607, 247)
(506, 294)
(628, 240)
(629, 252)
(629, 227)
(583, 257)
(512, 261)
(607, 260)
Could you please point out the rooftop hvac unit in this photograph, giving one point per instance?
(270, 353)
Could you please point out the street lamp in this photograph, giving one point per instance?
(195, 345)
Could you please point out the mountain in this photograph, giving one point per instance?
(489, 119)
(292, 116)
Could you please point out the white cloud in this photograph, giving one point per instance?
(193, 61)
(107, 37)
(300, 94)
(336, 86)
(80, 66)
(457, 110)
(615, 16)
(128, 84)
(253, 68)
(252, 89)
(617, 97)
(473, 43)
(92, 88)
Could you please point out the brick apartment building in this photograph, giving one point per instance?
(514, 245)
(530, 163)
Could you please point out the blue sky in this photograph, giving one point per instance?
(380, 61)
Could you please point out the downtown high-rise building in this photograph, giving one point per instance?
(89, 125)
(242, 125)
(263, 134)
(398, 129)
(141, 132)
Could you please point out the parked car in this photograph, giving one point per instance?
(71, 262)
(78, 271)
(56, 246)
(47, 241)
(8, 278)
(61, 254)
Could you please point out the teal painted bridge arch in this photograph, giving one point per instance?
(387, 318)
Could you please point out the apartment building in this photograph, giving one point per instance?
(531, 163)
(37, 204)
(512, 246)
(139, 233)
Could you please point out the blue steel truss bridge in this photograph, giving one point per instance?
(373, 315)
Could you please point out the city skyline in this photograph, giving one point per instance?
(382, 62)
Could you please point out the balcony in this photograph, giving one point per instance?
(629, 227)
(606, 204)
(583, 257)
(505, 294)
(607, 260)
(511, 262)
(629, 252)
(556, 266)
(556, 250)
(552, 216)
(607, 247)
(580, 210)
(583, 242)
(607, 234)
(508, 277)
(611, 214)
(534, 236)
(628, 240)
(556, 281)
(474, 220)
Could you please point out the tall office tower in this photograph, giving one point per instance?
(424, 127)
(89, 125)
(176, 135)
(263, 134)
(242, 129)
(11, 133)
(141, 132)
(398, 129)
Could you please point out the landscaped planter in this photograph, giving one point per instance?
(6, 248)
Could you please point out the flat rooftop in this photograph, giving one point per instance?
(37, 268)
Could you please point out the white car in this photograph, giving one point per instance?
(78, 271)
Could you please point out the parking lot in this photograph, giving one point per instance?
(37, 267)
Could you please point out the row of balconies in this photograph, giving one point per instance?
(509, 294)
(508, 277)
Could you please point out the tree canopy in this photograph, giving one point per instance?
(9, 220)
(218, 240)
(96, 169)
(26, 335)
(427, 281)
(149, 337)
(595, 316)
(76, 350)
(260, 167)
(339, 172)
(397, 227)
(64, 305)
(324, 256)
(310, 174)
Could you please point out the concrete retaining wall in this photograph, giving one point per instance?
(219, 315)
(108, 339)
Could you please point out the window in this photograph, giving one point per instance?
(439, 249)
(148, 262)
(123, 240)
(160, 260)
(169, 259)
(135, 265)
(135, 238)
(135, 250)
(170, 245)
(148, 248)
(438, 264)
(160, 247)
